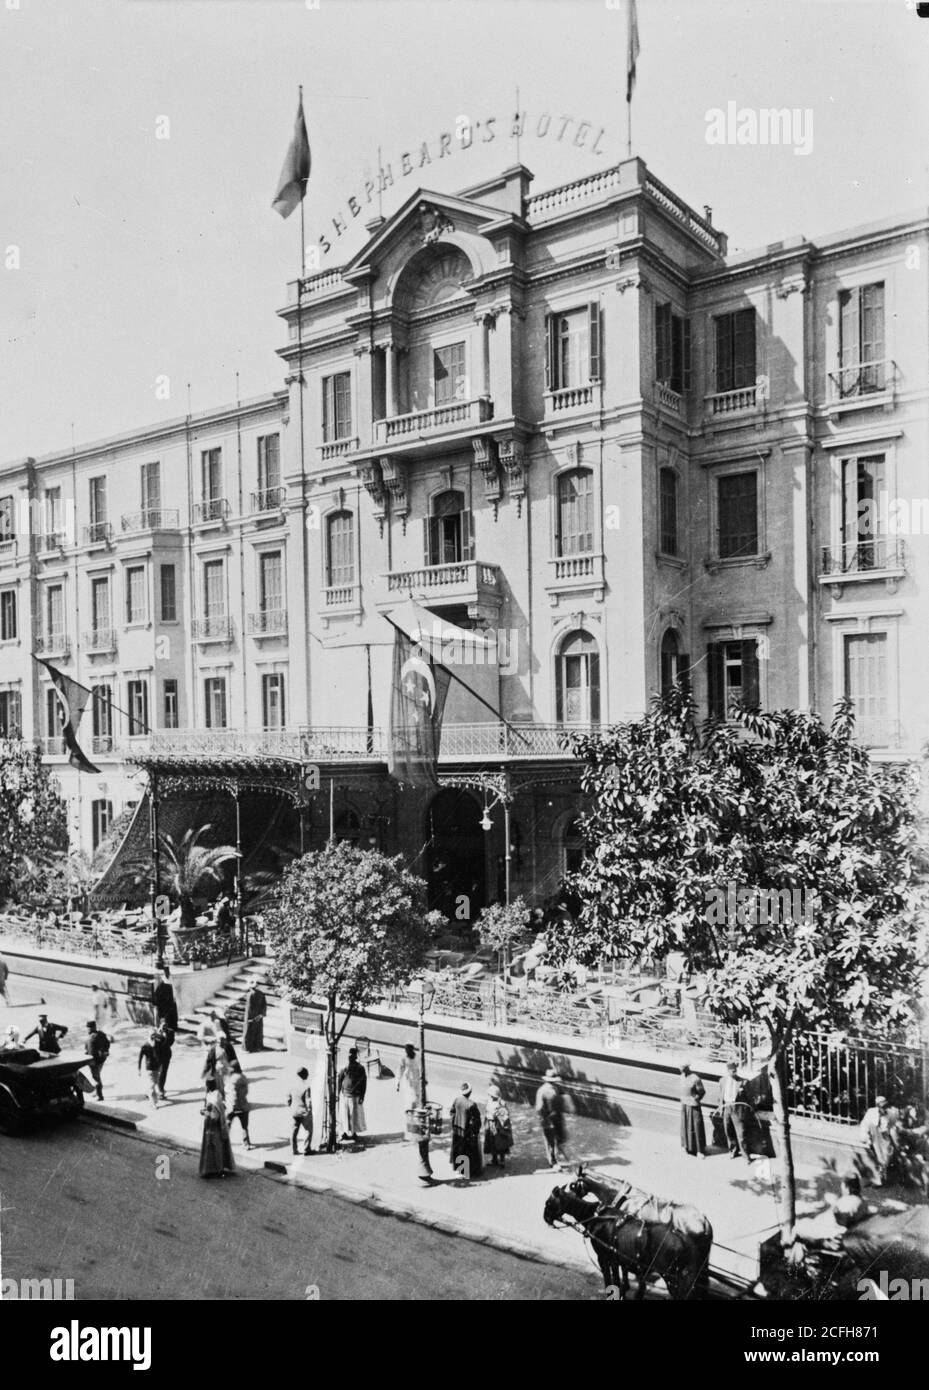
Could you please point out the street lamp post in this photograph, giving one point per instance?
(424, 991)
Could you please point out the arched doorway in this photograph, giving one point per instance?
(455, 856)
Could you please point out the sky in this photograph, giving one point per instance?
(141, 141)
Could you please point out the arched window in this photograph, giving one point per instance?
(340, 551)
(575, 526)
(675, 664)
(448, 530)
(578, 680)
(667, 511)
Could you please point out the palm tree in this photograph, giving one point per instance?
(188, 866)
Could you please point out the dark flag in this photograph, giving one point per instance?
(416, 704)
(291, 186)
(73, 699)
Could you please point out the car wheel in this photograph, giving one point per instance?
(10, 1118)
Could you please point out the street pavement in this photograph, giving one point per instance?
(505, 1209)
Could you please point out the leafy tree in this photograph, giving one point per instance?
(187, 868)
(766, 802)
(504, 927)
(32, 815)
(348, 924)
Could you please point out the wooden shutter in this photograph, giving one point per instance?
(744, 371)
(717, 685)
(683, 670)
(466, 537)
(724, 353)
(751, 688)
(428, 537)
(686, 356)
(551, 375)
(662, 343)
(593, 670)
(872, 334)
(849, 330)
(595, 345)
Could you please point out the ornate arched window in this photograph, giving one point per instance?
(578, 679)
(675, 664)
(340, 549)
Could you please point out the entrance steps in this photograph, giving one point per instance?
(229, 1001)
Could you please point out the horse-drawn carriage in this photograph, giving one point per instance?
(884, 1257)
(635, 1232)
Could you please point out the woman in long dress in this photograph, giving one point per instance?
(408, 1078)
(498, 1129)
(215, 1148)
(693, 1133)
(256, 1006)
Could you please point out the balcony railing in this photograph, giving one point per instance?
(7, 551)
(54, 644)
(466, 581)
(151, 519)
(54, 747)
(571, 398)
(99, 533)
(864, 558)
(862, 379)
(212, 509)
(337, 448)
(733, 402)
(102, 743)
(269, 499)
(877, 731)
(54, 540)
(340, 595)
(572, 567)
(267, 622)
(100, 639)
(455, 415)
(214, 629)
(670, 400)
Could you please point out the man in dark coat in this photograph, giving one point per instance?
(735, 1111)
(353, 1085)
(164, 1001)
(97, 1047)
(549, 1106)
(256, 1007)
(466, 1134)
(47, 1035)
(165, 1048)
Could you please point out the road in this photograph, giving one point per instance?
(86, 1203)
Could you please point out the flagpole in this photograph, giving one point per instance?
(303, 497)
(629, 126)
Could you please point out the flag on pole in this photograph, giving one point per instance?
(632, 46)
(417, 703)
(291, 186)
(73, 698)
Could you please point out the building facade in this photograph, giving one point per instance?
(567, 420)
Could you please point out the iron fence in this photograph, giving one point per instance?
(832, 1079)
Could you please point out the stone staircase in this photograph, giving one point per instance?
(229, 1001)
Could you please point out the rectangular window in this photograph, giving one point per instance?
(269, 462)
(575, 513)
(672, 349)
(272, 701)
(136, 605)
(97, 508)
(864, 544)
(861, 340)
(212, 474)
(54, 516)
(8, 615)
(448, 374)
(137, 706)
(54, 713)
(11, 718)
(214, 702)
(667, 502)
(54, 613)
(340, 556)
(168, 593)
(735, 350)
(733, 676)
(214, 589)
(6, 519)
(151, 493)
(737, 515)
(337, 406)
(866, 684)
(100, 604)
(270, 582)
(102, 715)
(170, 708)
(101, 819)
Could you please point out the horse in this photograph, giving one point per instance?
(624, 1243)
(615, 1195)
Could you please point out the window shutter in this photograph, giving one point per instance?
(428, 532)
(683, 671)
(849, 329)
(594, 669)
(662, 356)
(751, 689)
(686, 356)
(872, 323)
(550, 376)
(724, 353)
(466, 539)
(559, 689)
(744, 349)
(595, 346)
(717, 690)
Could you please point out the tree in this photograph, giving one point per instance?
(348, 924)
(504, 927)
(187, 867)
(32, 814)
(692, 832)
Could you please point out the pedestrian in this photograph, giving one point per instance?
(47, 1035)
(12, 1036)
(164, 1000)
(216, 1066)
(693, 1134)
(300, 1101)
(206, 1031)
(353, 1084)
(97, 1047)
(222, 914)
(165, 1052)
(150, 1059)
(549, 1106)
(735, 1112)
(409, 1079)
(4, 977)
(99, 1006)
(877, 1132)
(466, 1134)
(238, 1083)
(224, 1038)
(256, 1007)
(498, 1129)
(215, 1147)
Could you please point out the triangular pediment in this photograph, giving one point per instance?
(425, 219)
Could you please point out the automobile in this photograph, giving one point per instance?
(36, 1086)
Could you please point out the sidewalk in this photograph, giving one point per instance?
(740, 1200)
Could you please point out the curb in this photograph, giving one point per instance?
(372, 1199)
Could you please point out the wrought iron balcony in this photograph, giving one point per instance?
(456, 415)
(268, 622)
(861, 379)
(54, 747)
(54, 644)
(54, 540)
(151, 519)
(268, 499)
(98, 533)
(218, 628)
(211, 509)
(864, 559)
(102, 743)
(100, 639)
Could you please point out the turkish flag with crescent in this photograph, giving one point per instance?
(417, 701)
